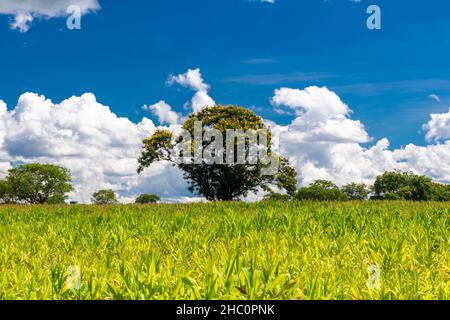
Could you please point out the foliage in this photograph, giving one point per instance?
(156, 148)
(267, 250)
(147, 198)
(103, 197)
(6, 195)
(403, 186)
(218, 181)
(287, 178)
(356, 191)
(277, 197)
(36, 183)
(321, 190)
(441, 192)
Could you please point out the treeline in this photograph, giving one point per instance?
(394, 185)
(38, 183)
(48, 184)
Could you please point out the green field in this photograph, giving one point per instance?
(226, 251)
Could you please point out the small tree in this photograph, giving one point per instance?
(104, 197)
(403, 186)
(147, 198)
(37, 183)
(356, 191)
(321, 190)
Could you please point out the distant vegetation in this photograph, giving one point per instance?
(48, 184)
(104, 197)
(147, 198)
(408, 186)
(394, 185)
(36, 183)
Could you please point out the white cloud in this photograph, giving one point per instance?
(100, 148)
(324, 143)
(24, 12)
(322, 116)
(438, 128)
(22, 22)
(164, 113)
(193, 79)
(201, 100)
(431, 160)
(435, 97)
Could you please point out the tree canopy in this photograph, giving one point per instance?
(398, 185)
(321, 190)
(36, 183)
(441, 192)
(219, 180)
(356, 191)
(147, 198)
(103, 197)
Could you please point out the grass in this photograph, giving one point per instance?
(374, 250)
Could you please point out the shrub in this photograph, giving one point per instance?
(321, 190)
(104, 197)
(147, 198)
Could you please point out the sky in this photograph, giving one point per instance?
(348, 102)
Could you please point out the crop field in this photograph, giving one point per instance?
(371, 250)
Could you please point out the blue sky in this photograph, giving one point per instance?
(245, 50)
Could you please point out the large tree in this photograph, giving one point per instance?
(220, 179)
(38, 183)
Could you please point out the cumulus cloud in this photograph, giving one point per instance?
(100, 148)
(164, 112)
(193, 79)
(324, 143)
(24, 12)
(322, 116)
(438, 128)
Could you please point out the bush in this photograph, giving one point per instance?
(441, 192)
(321, 190)
(403, 186)
(147, 198)
(277, 197)
(355, 191)
(104, 197)
(6, 195)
